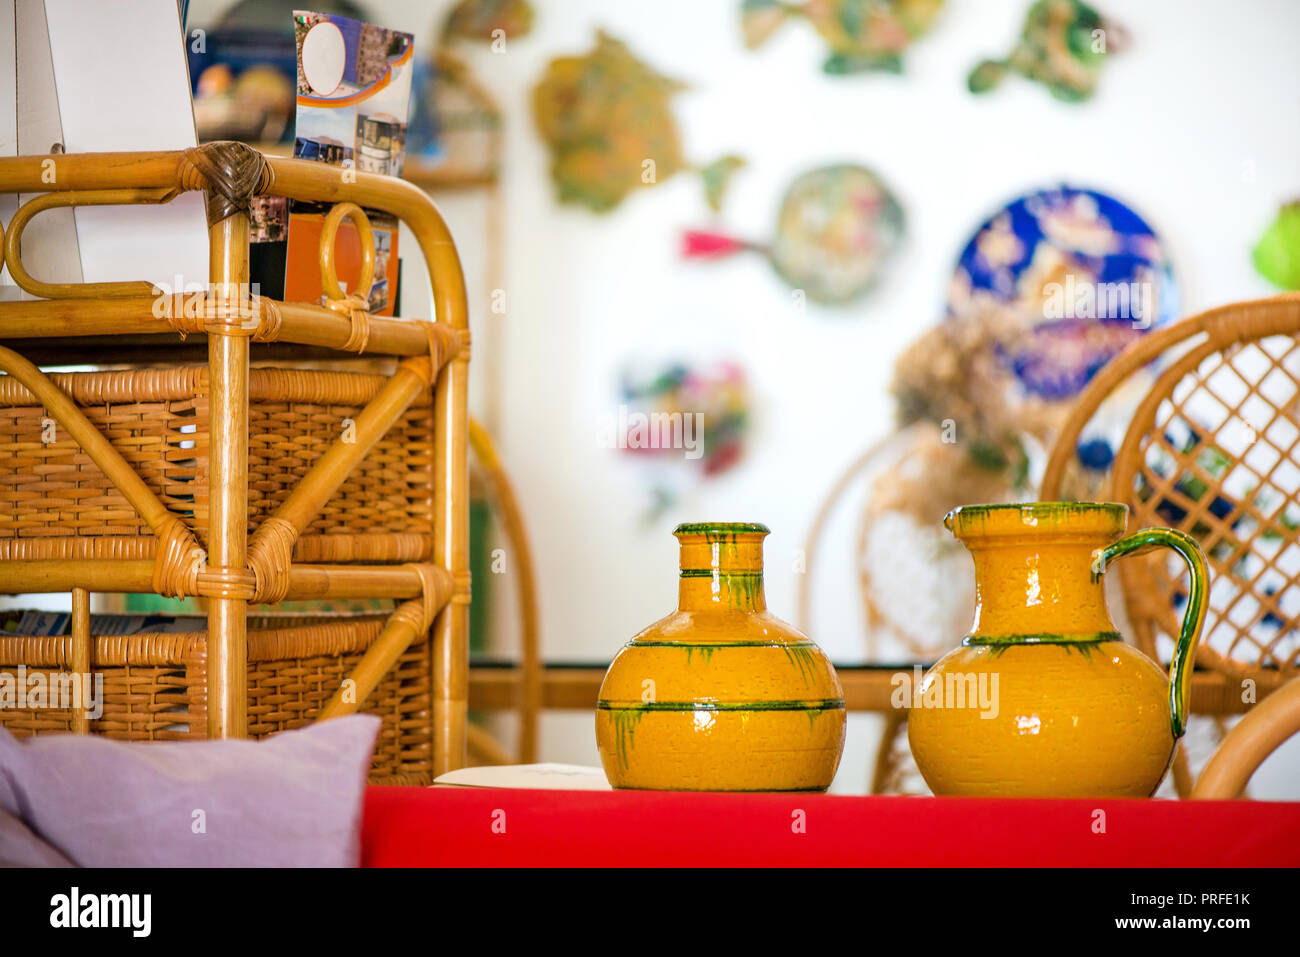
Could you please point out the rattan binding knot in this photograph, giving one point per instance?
(420, 613)
(179, 312)
(461, 591)
(445, 343)
(268, 329)
(227, 583)
(178, 561)
(430, 593)
(231, 174)
(270, 555)
(356, 309)
(226, 312)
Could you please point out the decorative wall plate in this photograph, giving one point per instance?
(479, 20)
(607, 118)
(1082, 271)
(684, 422)
(836, 227)
(1063, 45)
(861, 34)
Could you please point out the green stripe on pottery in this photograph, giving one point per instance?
(707, 648)
(1043, 639)
(1083, 644)
(1043, 509)
(626, 717)
(802, 657)
(625, 723)
(720, 644)
(720, 531)
(964, 517)
(824, 704)
(801, 654)
(743, 586)
(721, 573)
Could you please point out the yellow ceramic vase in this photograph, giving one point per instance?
(720, 695)
(1044, 698)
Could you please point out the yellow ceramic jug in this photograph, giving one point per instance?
(720, 695)
(1044, 698)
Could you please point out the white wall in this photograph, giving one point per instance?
(1194, 125)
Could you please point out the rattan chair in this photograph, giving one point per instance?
(1214, 450)
(886, 769)
(240, 484)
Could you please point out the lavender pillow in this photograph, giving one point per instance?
(291, 800)
(19, 847)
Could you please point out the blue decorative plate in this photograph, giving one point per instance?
(1083, 272)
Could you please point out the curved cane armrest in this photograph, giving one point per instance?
(1244, 748)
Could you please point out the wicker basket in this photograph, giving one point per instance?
(155, 685)
(56, 503)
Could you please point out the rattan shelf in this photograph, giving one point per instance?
(198, 467)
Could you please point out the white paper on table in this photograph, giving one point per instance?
(123, 85)
(542, 777)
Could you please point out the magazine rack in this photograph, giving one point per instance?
(239, 485)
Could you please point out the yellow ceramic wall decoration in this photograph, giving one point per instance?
(721, 695)
(1044, 698)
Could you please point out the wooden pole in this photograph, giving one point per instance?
(402, 628)
(81, 656)
(299, 322)
(451, 550)
(228, 464)
(135, 576)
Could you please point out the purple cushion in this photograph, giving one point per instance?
(19, 847)
(291, 800)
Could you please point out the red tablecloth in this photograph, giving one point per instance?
(427, 827)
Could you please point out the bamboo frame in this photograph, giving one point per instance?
(228, 511)
(81, 651)
(55, 200)
(135, 576)
(297, 323)
(236, 570)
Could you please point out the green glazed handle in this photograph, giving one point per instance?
(1180, 669)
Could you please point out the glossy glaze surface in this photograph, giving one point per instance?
(1069, 709)
(721, 695)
